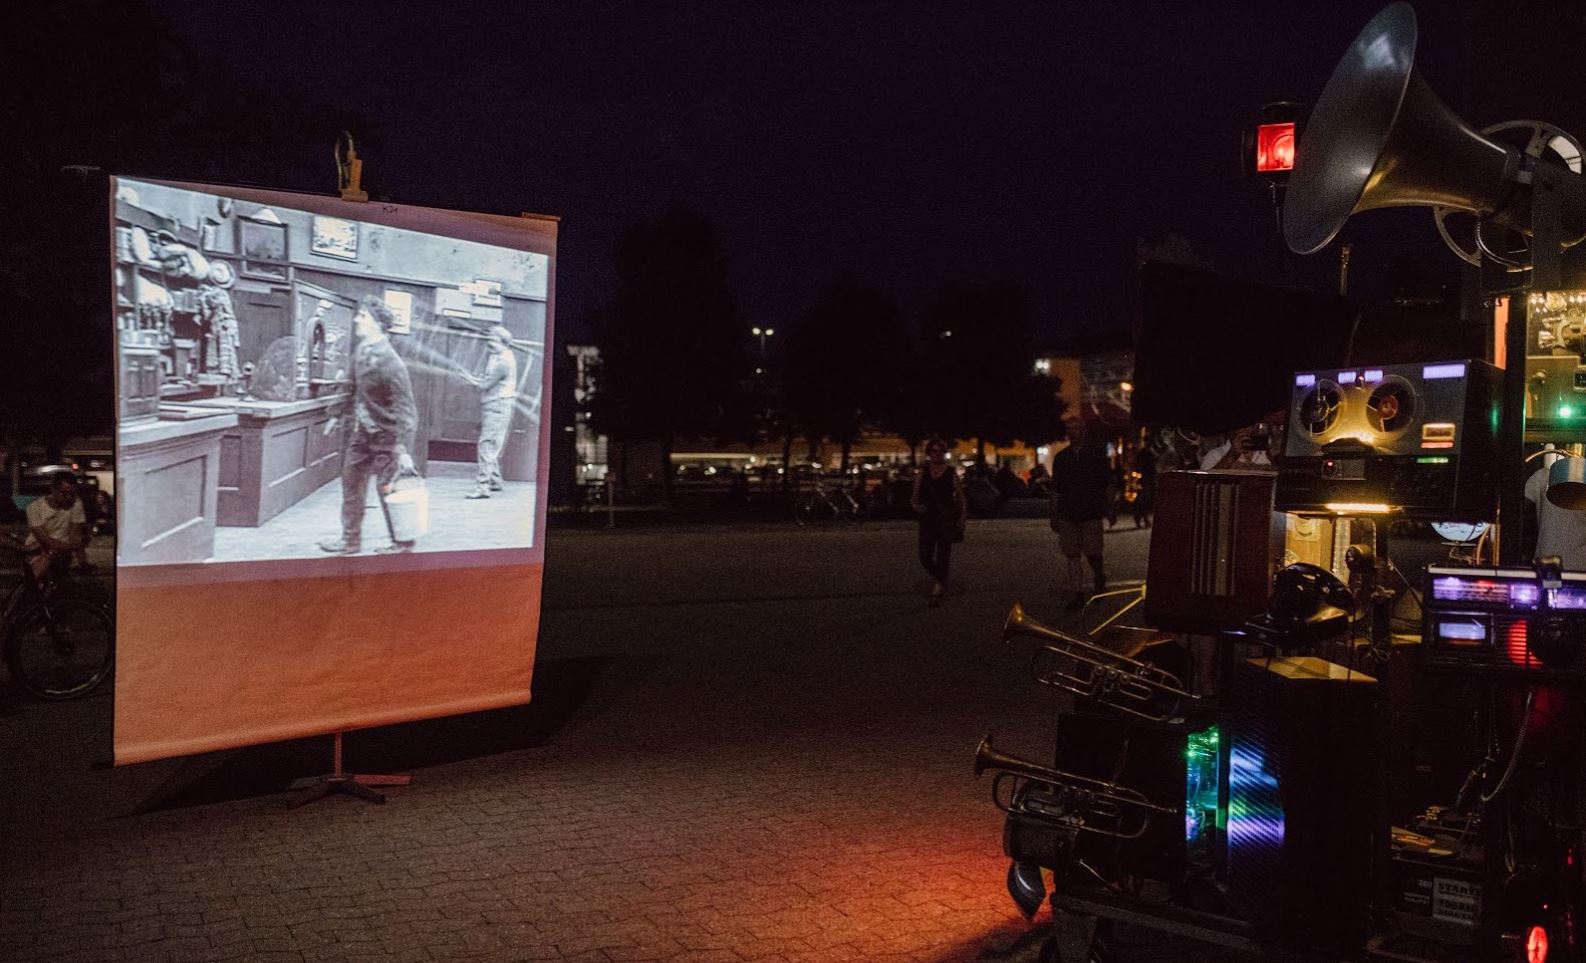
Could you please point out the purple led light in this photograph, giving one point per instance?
(1374, 374)
(1443, 371)
(1304, 380)
(1567, 598)
(1523, 593)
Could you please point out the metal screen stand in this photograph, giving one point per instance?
(318, 787)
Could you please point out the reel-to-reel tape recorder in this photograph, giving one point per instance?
(1415, 438)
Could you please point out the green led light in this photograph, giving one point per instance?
(1432, 460)
(1565, 411)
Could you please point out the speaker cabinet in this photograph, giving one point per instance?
(1212, 545)
(1300, 800)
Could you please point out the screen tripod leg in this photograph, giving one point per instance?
(358, 786)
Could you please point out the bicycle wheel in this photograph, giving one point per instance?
(62, 650)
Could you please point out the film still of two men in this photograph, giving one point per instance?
(294, 385)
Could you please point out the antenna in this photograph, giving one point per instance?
(349, 169)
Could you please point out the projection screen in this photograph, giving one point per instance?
(331, 462)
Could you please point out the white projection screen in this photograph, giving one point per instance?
(331, 462)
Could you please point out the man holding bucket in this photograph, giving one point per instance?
(380, 436)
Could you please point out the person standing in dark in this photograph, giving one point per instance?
(1081, 497)
(383, 418)
(1145, 495)
(942, 507)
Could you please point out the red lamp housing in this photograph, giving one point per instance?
(1536, 945)
(1274, 148)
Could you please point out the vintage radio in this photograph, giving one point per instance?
(1212, 546)
(1505, 623)
(1418, 438)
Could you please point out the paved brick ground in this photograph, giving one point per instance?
(746, 744)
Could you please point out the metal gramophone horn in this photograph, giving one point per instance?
(1379, 137)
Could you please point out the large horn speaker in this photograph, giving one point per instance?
(1379, 137)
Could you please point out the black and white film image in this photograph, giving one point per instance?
(299, 386)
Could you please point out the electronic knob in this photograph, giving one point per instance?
(1549, 638)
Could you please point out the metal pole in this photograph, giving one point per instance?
(611, 502)
(1511, 439)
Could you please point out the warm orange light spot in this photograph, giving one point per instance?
(1274, 148)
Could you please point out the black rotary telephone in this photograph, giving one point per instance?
(1309, 603)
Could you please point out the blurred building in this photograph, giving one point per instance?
(1095, 377)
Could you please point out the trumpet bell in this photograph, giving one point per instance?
(1139, 687)
(1073, 803)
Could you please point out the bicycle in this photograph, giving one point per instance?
(56, 646)
(834, 503)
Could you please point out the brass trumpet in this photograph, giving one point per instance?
(1078, 803)
(1117, 681)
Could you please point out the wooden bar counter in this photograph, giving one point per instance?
(167, 484)
(274, 456)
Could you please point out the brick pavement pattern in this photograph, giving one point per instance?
(772, 764)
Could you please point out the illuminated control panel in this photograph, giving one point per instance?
(1505, 623)
(1420, 439)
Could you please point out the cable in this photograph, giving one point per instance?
(1408, 585)
(1514, 757)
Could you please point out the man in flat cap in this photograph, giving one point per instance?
(381, 419)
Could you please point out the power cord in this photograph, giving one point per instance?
(1514, 756)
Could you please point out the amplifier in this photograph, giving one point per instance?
(1420, 438)
(1505, 623)
(1212, 546)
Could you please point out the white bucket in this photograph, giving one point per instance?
(409, 507)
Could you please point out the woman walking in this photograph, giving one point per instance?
(940, 503)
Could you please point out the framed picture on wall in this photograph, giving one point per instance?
(262, 239)
(335, 237)
(487, 293)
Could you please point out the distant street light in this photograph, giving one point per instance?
(762, 334)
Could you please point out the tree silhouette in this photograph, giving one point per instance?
(672, 348)
(979, 354)
(107, 86)
(1037, 411)
(846, 362)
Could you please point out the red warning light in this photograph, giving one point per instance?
(1274, 148)
(1536, 945)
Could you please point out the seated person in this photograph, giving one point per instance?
(57, 529)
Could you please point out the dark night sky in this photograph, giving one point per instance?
(906, 144)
